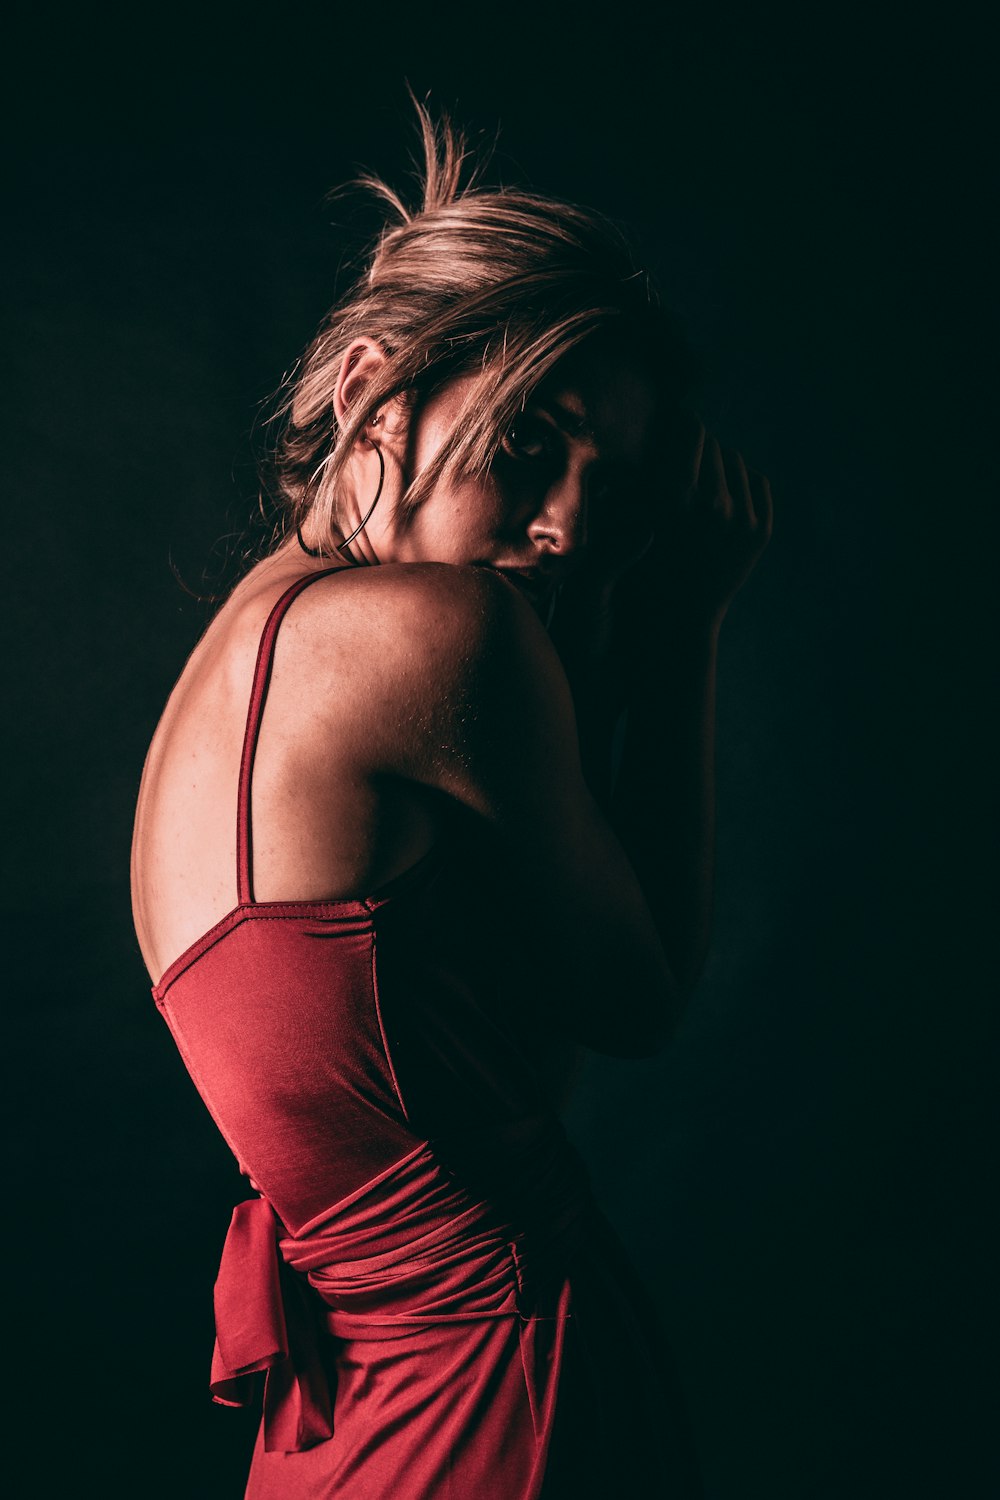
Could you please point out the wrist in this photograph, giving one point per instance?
(680, 659)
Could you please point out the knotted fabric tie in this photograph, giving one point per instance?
(264, 1326)
(414, 1247)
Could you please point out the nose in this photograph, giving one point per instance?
(560, 524)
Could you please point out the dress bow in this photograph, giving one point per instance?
(265, 1325)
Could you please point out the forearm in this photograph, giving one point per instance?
(598, 702)
(658, 622)
(663, 804)
(582, 638)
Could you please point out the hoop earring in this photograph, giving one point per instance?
(339, 546)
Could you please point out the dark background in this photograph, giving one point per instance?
(802, 1179)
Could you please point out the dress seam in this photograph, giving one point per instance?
(381, 1025)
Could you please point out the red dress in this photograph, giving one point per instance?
(434, 1303)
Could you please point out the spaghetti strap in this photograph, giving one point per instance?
(261, 679)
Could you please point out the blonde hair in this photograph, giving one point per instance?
(503, 282)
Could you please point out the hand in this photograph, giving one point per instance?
(677, 557)
(714, 521)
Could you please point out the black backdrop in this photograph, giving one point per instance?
(802, 1178)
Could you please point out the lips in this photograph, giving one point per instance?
(534, 585)
(526, 583)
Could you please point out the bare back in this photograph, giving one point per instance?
(397, 694)
(328, 823)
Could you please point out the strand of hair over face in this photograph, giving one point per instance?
(502, 283)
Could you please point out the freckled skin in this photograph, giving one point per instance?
(550, 496)
(596, 495)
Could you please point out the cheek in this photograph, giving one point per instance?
(453, 527)
(470, 513)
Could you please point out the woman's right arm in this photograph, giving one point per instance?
(477, 705)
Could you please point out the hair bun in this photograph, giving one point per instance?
(501, 283)
(446, 152)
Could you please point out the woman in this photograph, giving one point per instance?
(387, 886)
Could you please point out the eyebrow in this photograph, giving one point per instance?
(579, 424)
(573, 423)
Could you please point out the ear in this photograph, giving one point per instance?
(362, 360)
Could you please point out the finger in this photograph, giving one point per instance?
(739, 487)
(763, 503)
(713, 489)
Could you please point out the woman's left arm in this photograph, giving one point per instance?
(663, 804)
(646, 641)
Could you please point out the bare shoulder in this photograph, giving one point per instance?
(420, 627)
(462, 617)
(451, 603)
(424, 671)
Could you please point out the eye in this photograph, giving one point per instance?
(527, 438)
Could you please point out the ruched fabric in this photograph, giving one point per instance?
(409, 1253)
(424, 1290)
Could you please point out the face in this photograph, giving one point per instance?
(570, 481)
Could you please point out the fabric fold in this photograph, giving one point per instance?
(264, 1326)
(413, 1249)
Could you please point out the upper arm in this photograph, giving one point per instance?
(482, 712)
